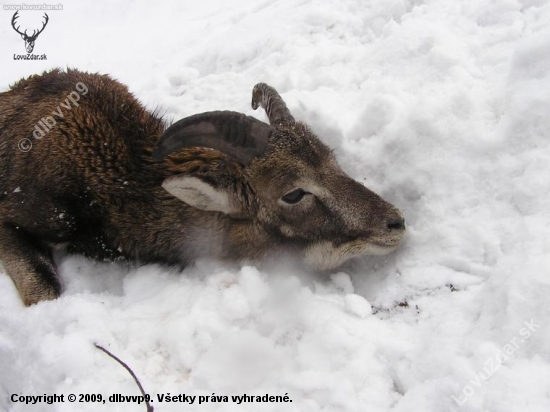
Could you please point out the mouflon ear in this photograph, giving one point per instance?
(201, 194)
(208, 180)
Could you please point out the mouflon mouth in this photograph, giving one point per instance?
(391, 244)
(394, 241)
(371, 245)
(383, 239)
(328, 255)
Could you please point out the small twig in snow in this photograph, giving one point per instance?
(131, 372)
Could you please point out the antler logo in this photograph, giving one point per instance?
(29, 40)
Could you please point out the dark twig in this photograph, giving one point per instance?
(131, 372)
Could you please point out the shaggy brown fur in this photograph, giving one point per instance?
(91, 184)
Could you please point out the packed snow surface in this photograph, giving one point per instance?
(440, 106)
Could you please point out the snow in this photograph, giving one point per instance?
(439, 106)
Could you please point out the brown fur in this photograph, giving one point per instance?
(91, 183)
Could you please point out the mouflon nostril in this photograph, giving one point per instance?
(396, 223)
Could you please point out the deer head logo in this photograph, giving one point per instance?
(29, 40)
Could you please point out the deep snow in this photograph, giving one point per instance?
(442, 107)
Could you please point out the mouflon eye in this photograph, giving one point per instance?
(294, 197)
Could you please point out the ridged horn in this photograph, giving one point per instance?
(273, 104)
(233, 133)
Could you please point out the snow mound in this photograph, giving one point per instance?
(440, 107)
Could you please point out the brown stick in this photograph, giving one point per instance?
(147, 404)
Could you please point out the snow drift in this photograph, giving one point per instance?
(441, 107)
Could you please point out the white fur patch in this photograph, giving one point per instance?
(199, 194)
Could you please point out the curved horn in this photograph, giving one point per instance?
(272, 102)
(229, 132)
